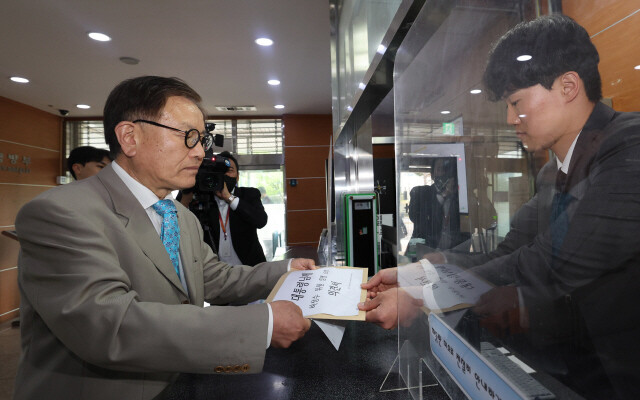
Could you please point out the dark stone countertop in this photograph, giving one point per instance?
(312, 369)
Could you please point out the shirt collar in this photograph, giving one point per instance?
(144, 195)
(564, 166)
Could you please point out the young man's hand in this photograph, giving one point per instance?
(385, 279)
(390, 307)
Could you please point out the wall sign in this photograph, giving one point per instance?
(15, 163)
(465, 366)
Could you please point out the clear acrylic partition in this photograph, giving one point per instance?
(461, 176)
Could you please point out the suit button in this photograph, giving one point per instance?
(228, 368)
(237, 368)
(245, 368)
(219, 369)
(185, 302)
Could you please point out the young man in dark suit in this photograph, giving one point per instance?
(568, 271)
(237, 218)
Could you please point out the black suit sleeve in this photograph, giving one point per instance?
(600, 234)
(250, 208)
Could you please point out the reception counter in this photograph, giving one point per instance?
(312, 369)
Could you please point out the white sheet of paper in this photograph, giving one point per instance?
(328, 290)
(333, 329)
(456, 286)
(413, 277)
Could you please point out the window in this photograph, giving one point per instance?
(262, 136)
(251, 136)
(84, 133)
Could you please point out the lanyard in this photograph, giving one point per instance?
(225, 224)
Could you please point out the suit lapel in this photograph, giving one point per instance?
(186, 252)
(138, 225)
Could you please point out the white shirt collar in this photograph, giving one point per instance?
(564, 165)
(144, 195)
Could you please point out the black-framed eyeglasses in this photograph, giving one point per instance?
(191, 137)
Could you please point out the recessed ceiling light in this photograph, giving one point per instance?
(83, 106)
(278, 106)
(524, 57)
(445, 112)
(100, 37)
(264, 41)
(475, 91)
(636, 67)
(19, 79)
(273, 82)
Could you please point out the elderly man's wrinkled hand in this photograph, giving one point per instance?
(302, 264)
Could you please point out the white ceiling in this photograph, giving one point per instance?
(208, 43)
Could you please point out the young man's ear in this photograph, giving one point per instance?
(571, 85)
(77, 168)
(126, 134)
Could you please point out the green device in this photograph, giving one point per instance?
(361, 231)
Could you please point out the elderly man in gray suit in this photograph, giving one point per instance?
(113, 273)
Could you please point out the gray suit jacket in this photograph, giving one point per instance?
(103, 313)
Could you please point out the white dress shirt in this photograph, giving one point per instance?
(226, 252)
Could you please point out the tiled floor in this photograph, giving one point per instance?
(9, 355)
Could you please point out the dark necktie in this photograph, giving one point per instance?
(170, 230)
(561, 180)
(559, 220)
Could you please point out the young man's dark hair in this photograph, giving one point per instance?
(228, 155)
(556, 44)
(84, 154)
(141, 98)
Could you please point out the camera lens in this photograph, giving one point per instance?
(209, 182)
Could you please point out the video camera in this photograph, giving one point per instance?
(210, 177)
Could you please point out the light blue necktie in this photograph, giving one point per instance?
(170, 230)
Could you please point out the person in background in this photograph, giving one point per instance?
(236, 220)
(434, 209)
(113, 272)
(86, 161)
(263, 193)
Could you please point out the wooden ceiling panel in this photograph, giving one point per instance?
(596, 15)
(619, 53)
(617, 45)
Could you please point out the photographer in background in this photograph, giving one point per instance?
(240, 215)
(86, 161)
